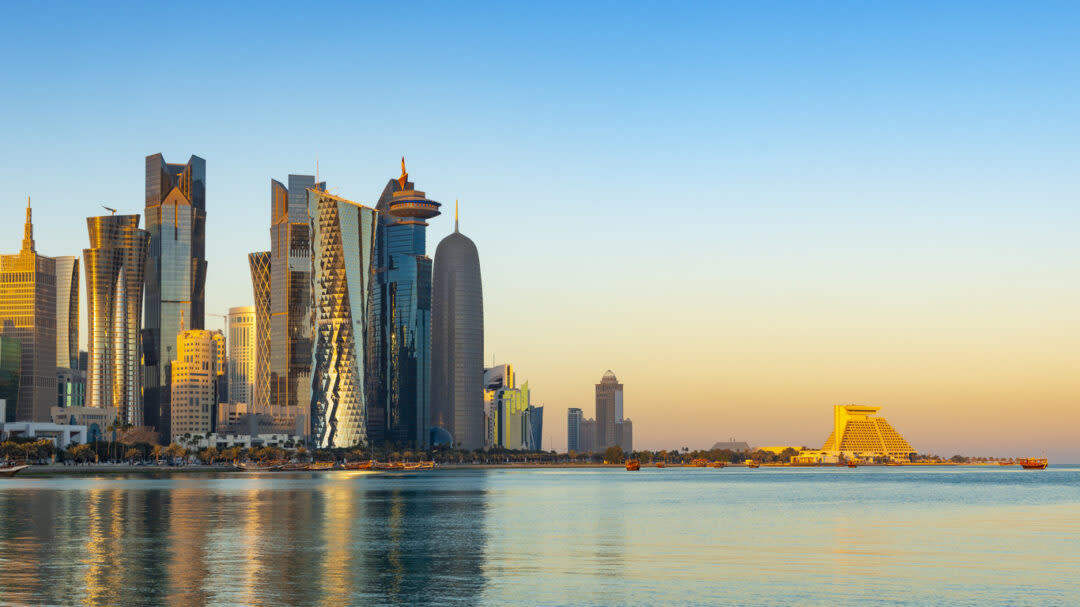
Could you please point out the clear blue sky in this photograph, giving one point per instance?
(709, 198)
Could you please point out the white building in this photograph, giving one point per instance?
(193, 385)
(61, 435)
(242, 354)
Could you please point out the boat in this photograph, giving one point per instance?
(852, 465)
(358, 465)
(319, 466)
(1033, 463)
(699, 463)
(1007, 463)
(633, 465)
(12, 470)
(429, 465)
(660, 464)
(716, 465)
(255, 467)
(752, 464)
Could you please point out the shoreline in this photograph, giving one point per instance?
(106, 469)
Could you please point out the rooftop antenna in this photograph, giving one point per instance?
(455, 216)
(110, 209)
(316, 171)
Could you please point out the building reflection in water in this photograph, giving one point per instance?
(331, 539)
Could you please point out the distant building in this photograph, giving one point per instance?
(221, 367)
(573, 429)
(457, 341)
(609, 405)
(858, 433)
(220, 440)
(10, 367)
(28, 313)
(114, 266)
(175, 217)
(241, 365)
(732, 445)
(624, 435)
(342, 247)
(70, 387)
(96, 419)
(61, 435)
(193, 384)
(67, 312)
(239, 418)
(533, 424)
(587, 436)
(401, 318)
(495, 379)
(260, 285)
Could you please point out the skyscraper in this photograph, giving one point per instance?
(28, 313)
(342, 248)
(573, 427)
(608, 410)
(114, 266)
(260, 283)
(241, 345)
(10, 367)
(175, 271)
(67, 312)
(457, 341)
(401, 407)
(193, 384)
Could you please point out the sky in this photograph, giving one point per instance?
(750, 212)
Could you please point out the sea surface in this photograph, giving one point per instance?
(695, 536)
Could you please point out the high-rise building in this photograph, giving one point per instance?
(260, 282)
(67, 312)
(401, 407)
(193, 384)
(114, 266)
(608, 410)
(70, 387)
(342, 249)
(241, 366)
(624, 435)
(587, 436)
(10, 367)
(573, 428)
(28, 313)
(221, 367)
(175, 272)
(457, 341)
(496, 378)
(533, 428)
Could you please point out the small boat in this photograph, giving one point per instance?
(1033, 463)
(12, 470)
(752, 464)
(427, 465)
(254, 467)
(660, 464)
(1007, 463)
(852, 465)
(699, 463)
(633, 465)
(319, 466)
(368, 465)
(716, 465)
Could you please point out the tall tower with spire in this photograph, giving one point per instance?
(457, 341)
(28, 313)
(401, 379)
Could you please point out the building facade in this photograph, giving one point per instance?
(624, 435)
(573, 429)
(533, 424)
(342, 248)
(457, 341)
(401, 408)
(10, 367)
(175, 272)
(67, 312)
(70, 387)
(241, 344)
(587, 436)
(608, 410)
(28, 313)
(114, 266)
(260, 282)
(193, 384)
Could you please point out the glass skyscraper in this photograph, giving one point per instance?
(10, 367)
(401, 411)
(28, 313)
(457, 341)
(609, 409)
(115, 265)
(175, 272)
(342, 249)
(67, 312)
(573, 428)
(260, 284)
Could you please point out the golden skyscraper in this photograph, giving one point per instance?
(28, 313)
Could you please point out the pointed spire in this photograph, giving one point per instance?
(28, 230)
(455, 216)
(181, 321)
(404, 174)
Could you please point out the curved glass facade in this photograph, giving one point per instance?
(114, 266)
(342, 248)
(67, 312)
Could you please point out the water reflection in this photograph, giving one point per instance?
(329, 540)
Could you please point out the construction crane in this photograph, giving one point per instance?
(110, 209)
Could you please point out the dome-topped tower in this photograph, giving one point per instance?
(457, 341)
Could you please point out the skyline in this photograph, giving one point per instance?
(890, 227)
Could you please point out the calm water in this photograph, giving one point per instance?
(890, 536)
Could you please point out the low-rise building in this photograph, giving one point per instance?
(97, 420)
(62, 435)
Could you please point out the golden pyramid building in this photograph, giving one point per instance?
(858, 433)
